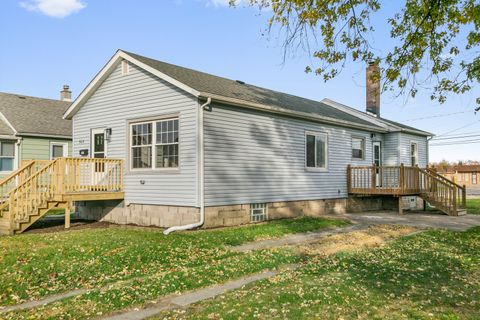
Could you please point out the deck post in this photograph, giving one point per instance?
(400, 205)
(374, 178)
(349, 179)
(402, 178)
(67, 215)
(464, 196)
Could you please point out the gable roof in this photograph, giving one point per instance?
(391, 126)
(24, 115)
(204, 85)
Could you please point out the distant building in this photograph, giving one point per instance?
(467, 175)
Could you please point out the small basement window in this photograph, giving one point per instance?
(258, 212)
(358, 148)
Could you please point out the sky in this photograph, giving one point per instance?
(48, 43)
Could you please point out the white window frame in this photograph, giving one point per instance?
(55, 143)
(416, 153)
(15, 152)
(316, 134)
(364, 142)
(474, 181)
(125, 67)
(153, 145)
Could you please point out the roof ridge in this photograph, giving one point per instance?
(28, 96)
(216, 76)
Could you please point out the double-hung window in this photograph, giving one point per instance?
(7, 155)
(358, 148)
(316, 146)
(414, 153)
(154, 144)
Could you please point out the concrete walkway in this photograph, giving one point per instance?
(415, 219)
(186, 299)
(298, 238)
(42, 302)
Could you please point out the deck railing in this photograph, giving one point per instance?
(17, 177)
(59, 178)
(402, 181)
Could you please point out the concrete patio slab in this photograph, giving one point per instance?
(416, 219)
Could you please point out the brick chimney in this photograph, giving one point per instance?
(373, 89)
(66, 94)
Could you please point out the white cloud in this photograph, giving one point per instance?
(54, 8)
(221, 3)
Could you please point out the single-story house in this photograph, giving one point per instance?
(199, 149)
(33, 128)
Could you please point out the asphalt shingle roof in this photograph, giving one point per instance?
(30, 115)
(207, 83)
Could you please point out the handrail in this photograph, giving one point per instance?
(402, 180)
(61, 177)
(442, 177)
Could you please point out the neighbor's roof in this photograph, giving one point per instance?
(467, 168)
(204, 85)
(24, 115)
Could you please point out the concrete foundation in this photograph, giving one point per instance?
(229, 215)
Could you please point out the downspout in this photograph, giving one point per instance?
(201, 169)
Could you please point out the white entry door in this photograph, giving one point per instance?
(98, 150)
(377, 160)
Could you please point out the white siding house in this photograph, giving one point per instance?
(196, 145)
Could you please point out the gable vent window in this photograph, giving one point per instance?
(125, 67)
(258, 212)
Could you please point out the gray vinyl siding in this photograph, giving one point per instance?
(404, 146)
(121, 98)
(391, 149)
(258, 157)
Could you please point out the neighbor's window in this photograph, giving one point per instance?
(154, 144)
(358, 148)
(414, 153)
(474, 178)
(7, 155)
(316, 150)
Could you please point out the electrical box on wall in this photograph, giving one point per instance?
(84, 152)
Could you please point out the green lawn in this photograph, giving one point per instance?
(473, 206)
(150, 264)
(433, 275)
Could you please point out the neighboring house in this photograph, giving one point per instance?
(191, 140)
(32, 129)
(468, 175)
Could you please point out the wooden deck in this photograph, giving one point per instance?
(40, 186)
(401, 181)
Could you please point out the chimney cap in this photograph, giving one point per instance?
(66, 87)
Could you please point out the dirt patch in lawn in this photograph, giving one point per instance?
(374, 236)
(57, 225)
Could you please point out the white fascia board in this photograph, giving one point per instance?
(105, 72)
(40, 135)
(374, 120)
(356, 113)
(4, 119)
(297, 114)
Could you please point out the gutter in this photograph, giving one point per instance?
(201, 169)
(26, 134)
